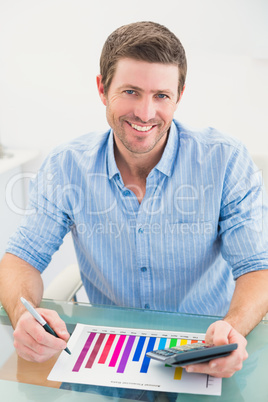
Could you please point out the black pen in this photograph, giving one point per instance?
(40, 319)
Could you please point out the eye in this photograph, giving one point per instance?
(162, 96)
(130, 92)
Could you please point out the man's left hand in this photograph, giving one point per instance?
(222, 333)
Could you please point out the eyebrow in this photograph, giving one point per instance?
(156, 91)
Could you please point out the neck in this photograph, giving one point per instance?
(137, 165)
(138, 168)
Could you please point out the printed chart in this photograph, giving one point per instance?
(116, 357)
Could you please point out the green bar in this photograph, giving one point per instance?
(173, 342)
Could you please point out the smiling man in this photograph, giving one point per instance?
(140, 105)
(162, 216)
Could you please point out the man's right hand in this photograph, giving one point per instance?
(33, 343)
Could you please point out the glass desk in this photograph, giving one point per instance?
(24, 381)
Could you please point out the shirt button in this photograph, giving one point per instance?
(147, 305)
(140, 230)
(126, 193)
(143, 269)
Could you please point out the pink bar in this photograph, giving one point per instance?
(117, 350)
(106, 349)
(84, 351)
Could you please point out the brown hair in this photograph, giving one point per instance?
(146, 41)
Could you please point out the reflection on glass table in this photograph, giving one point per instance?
(25, 381)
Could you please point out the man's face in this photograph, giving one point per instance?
(140, 103)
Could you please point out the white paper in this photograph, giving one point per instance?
(124, 365)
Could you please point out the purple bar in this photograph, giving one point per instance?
(84, 351)
(125, 356)
(117, 350)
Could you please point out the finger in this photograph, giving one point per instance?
(28, 348)
(43, 338)
(221, 367)
(33, 342)
(210, 334)
(240, 354)
(37, 334)
(29, 354)
(55, 322)
(211, 372)
(36, 338)
(215, 371)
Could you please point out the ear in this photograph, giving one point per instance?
(101, 89)
(181, 95)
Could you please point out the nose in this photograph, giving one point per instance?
(145, 109)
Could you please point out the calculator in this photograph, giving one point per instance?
(191, 353)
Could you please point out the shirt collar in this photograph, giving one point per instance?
(112, 167)
(166, 163)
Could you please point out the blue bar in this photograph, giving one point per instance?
(146, 360)
(139, 348)
(162, 343)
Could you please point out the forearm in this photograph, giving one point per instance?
(18, 278)
(250, 301)
(248, 306)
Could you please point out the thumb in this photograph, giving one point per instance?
(218, 333)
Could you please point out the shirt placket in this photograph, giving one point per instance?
(143, 238)
(140, 227)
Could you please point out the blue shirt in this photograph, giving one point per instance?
(199, 226)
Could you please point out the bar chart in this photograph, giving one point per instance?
(117, 357)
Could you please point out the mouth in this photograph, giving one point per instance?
(139, 128)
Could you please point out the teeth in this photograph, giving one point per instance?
(141, 128)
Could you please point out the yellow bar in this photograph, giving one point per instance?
(178, 373)
(178, 370)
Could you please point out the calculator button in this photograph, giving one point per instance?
(163, 352)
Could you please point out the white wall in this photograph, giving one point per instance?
(49, 53)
